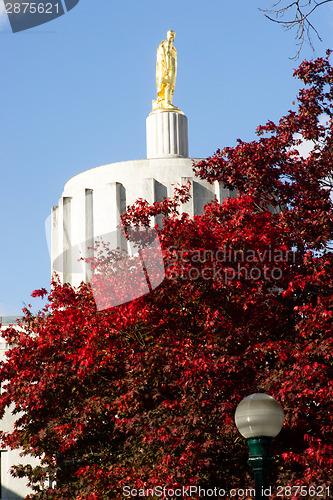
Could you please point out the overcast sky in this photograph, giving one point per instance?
(75, 94)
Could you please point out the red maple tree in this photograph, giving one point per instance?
(143, 395)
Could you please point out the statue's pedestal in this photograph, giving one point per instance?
(167, 135)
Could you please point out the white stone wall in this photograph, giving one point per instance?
(92, 202)
(11, 488)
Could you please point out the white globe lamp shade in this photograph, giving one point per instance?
(259, 415)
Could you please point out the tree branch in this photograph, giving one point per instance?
(300, 19)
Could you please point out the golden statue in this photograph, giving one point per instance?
(166, 71)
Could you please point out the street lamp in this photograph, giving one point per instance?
(259, 418)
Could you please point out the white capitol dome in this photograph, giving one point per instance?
(92, 201)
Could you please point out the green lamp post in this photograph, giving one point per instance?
(259, 418)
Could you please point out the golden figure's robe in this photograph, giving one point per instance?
(166, 72)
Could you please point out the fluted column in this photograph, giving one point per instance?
(167, 135)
